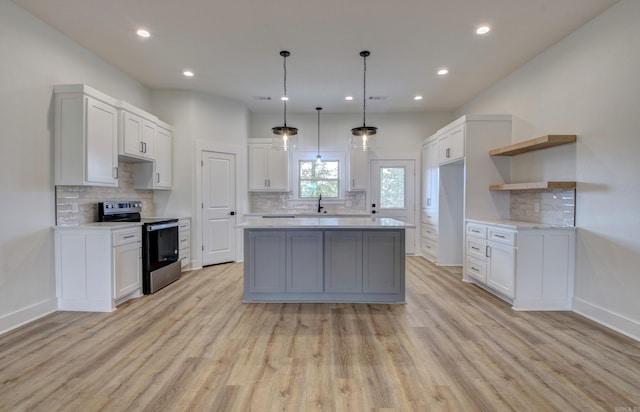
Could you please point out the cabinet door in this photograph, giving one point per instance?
(101, 143)
(265, 262)
(164, 159)
(501, 273)
(382, 255)
(430, 175)
(277, 170)
(451, 145)
(305, 266)
(148, 139)
(358, 169)
(343, 261)
(258, 159)
(127, 265)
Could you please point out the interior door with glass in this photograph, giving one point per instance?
(393, 193)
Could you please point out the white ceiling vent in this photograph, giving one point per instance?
(377, 97)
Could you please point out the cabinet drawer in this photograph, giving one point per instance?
(477, 248)
(505, 237)
(476, 269)
(184, 225)
(475, 230)
(184, 240)
(124, 236)
(429, 231)
(430, 217)
(429, 246)
(185, 257)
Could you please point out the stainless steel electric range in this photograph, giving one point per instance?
(160, 264)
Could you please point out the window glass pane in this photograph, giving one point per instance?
(319, 178)
(392, 187)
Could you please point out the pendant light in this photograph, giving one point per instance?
(285, 131)
(318, 157)
(364, 131)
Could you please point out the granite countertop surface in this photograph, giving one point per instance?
(311, 213)
(99, 226)
(516, 224)
(327, 223)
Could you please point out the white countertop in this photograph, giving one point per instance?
(326, 223)
(100, 226)
(312, 213)
(516, 224)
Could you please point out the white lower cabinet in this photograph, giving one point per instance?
(532, 268)
(97, 267)
(184, 242)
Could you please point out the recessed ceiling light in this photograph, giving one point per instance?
(417, 97)
(143, 33)
(284, 98)
(483, 30)
(349, 98)
(187, 73)
(443, 72)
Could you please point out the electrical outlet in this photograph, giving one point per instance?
(268, 203)
(536, 207)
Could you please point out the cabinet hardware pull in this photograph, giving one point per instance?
(499, 236)
(115, 172)
(487, 251)
(475, 248)
(129, 236)
(157, 177)
(141, 147)
(183, 240)
(265, 182)
(475, 269)
(447, 154)
(475, 231)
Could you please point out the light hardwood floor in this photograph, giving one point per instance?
(195, 347)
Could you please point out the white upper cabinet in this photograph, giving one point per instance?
(137, 133)
(358, 169)
(86, 137)
(451, 144)
(159, 173)
(268, 168)
(430, 173)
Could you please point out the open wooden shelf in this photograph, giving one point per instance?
(534, 186)
(533, 144)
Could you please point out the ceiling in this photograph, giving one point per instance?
(233, 46)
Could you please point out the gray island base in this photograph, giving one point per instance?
(356, 260)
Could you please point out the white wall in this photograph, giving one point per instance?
(200, 121)
(33, 58)
(587, 84)
(397, 132)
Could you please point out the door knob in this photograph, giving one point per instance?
(232, 213)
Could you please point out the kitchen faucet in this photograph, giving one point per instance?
(320, 207)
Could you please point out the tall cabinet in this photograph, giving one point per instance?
(464, 172)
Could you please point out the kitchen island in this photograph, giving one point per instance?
(359, 260)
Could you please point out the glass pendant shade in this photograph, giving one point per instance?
(286, 141)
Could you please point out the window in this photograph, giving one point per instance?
(316, 179)
(392, 188)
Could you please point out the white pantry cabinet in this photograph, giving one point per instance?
(157, 174)
(98, 266)
(136, 133)
(268, 168)
(429, 200)
(358, 169)
(85, 137)
(528, 265)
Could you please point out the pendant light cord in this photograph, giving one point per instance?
(364, 93)
(284, 64)
(318, 109)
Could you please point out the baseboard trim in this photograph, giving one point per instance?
(607, 318)
(26, 315)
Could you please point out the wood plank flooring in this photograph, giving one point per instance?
(195, 347)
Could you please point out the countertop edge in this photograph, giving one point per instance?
(519, 225)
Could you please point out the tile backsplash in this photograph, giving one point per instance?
(76, 205)
(553, 207)
(283, 202)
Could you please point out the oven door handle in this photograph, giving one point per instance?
(160, 226)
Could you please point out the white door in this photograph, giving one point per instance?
(218, 207)
(393, 193)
